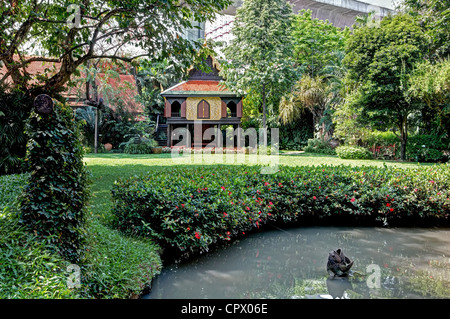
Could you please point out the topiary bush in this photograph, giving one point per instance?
(426, 148)
(192, 209)
(353, 152)
(53, 201)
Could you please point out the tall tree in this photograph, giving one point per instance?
(317, 43)
(73, 32)
(381, 60)
(430, 84)
(259, 58)
(319, 49)
(435, 18)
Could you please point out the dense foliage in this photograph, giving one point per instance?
(14, 110)
(53, 202)
(191, 210)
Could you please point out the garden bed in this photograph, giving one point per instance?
(190, 210)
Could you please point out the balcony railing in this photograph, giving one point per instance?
(176, 114)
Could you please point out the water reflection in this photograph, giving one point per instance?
(291, 263)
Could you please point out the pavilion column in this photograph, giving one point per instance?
(239, 135)
(169, 135)
(188, 136)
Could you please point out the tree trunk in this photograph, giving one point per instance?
(264, 113)
(403, 138)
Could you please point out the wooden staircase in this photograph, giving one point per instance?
(161, 133)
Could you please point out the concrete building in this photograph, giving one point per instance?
(340, 13)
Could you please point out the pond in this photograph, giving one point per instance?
(291, 263)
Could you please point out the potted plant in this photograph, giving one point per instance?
(156, 149)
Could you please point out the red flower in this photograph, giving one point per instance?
(265, 184)
(225, 214)
(387, 205)
(223, 188)
(314, 197)
(270, 203)
(197, 235)
(182, 205)
(353, 199)
(391, 209)
(188, 228)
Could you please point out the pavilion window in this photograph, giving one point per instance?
(203, 110)
(176, 109)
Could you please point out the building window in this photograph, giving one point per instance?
(203, 110)
(231, 109)
(176, 109)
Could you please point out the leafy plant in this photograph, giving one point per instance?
(15, 107)
(53, 202)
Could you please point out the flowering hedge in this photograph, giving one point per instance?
(190, 209)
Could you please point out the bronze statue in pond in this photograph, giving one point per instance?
(338, 264)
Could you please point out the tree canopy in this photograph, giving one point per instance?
(258, 59)
(381, 59)
(73, 32)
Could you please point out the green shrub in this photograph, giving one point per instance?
(53, 201)
(320, 146)
(426, 148)
(138, 148)
(192, 209)
(353, 152)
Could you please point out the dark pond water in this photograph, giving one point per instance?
(291, 263)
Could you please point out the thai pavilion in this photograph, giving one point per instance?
(201, 100)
